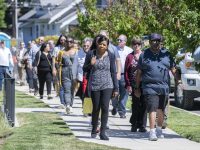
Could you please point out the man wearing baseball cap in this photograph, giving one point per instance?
(153, 69)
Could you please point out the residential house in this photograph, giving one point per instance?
(50, 17)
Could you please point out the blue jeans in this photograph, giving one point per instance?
(123, 97)
(62, 96)
(2, 75)
(68, 92)
(29, 77)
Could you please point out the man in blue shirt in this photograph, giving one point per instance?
(153, 70)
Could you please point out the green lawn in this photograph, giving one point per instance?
(28, 101)
(185, 124)
(182, 122)
(45, 131)
(41, 131)
(5, 129)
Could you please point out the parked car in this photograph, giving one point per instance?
(189, 87)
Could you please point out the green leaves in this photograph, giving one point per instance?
(175, 20)
(2, 13)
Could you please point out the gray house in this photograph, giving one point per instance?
(50, 17)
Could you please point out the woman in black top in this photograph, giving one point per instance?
(100, 64)
(43, 62)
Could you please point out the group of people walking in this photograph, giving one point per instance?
(142, 74)
(105, 73)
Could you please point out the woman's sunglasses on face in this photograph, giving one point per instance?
(70, 41)
(138, 44)
(62, 40)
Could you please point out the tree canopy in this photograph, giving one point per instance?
(2, 13)
(177, 21)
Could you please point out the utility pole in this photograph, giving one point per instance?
(15, 19)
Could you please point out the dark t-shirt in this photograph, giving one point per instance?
(155, 71)
(44, 64)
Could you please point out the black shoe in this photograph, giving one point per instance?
(49, 97)
(114, 111)
(41, 97)
(103, 137)
(133, 129)
(142, 129)
(93, 135)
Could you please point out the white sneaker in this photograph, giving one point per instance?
(159, 133)
(152, 136)
(68, 109)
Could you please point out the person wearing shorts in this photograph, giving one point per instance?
(153, 70)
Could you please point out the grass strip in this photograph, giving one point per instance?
(5, 129)
(28, 101)
(182, 122)
(43, 131)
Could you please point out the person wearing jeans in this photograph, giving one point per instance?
(5, 61)
(123, 51)
(65, 61)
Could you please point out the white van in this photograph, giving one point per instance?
(189, 87)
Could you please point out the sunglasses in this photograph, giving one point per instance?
(119, 40)
(70, 41)
(137, 44)
(86, 46)
(155, 41)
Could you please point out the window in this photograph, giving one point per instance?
(53, 26)
(31, 31)
(37, 30)
(42, 29)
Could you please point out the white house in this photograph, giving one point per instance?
(51, 17)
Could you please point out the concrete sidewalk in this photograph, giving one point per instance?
(119, 132)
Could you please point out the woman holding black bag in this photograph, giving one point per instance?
(43, 62)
